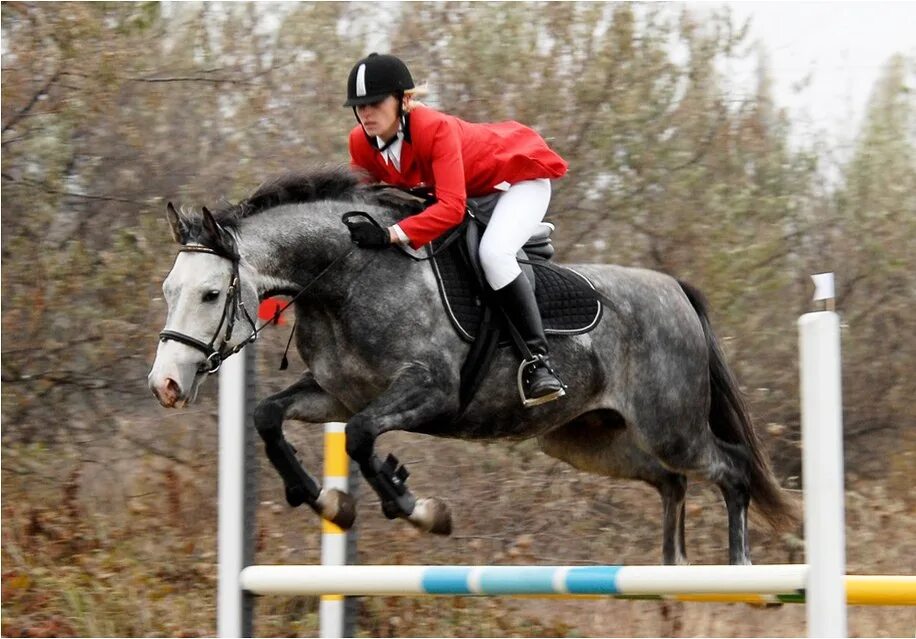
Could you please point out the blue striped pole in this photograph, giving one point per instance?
(753, 584)
(524, 580)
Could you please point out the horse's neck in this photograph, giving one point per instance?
(303, 245)
(350, 290)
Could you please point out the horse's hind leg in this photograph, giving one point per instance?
(598, 442)
(731, 475)
(673, 489)
(697, 452)
(306, 401)
(415, 398)
(728, 466)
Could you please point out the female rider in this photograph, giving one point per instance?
(404, 143)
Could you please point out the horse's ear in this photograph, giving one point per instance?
(176, 224)
(210, 225)
(213, 230)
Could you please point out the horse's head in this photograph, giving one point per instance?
(208, 301)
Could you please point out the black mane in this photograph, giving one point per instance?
(295, 187)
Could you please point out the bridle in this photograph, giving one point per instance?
(234, 304)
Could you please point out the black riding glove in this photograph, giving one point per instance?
(368, 235)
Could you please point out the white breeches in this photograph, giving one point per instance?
(515, 219)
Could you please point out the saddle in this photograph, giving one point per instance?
(567, 299)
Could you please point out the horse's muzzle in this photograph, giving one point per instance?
(167, 391)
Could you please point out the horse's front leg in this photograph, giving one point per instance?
(306, 401)
(419, 395)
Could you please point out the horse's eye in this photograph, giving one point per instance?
(211, 296)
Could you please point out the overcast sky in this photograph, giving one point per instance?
(841, 46)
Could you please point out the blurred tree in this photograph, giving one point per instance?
(109, 109)
(66, 169)
(871, 243)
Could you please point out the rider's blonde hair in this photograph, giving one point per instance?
(411, 95)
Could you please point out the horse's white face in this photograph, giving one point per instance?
(195, 291)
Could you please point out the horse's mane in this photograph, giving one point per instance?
(296, 187)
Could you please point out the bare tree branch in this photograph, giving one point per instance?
(46, 189)
(28, 107)
(190, 79)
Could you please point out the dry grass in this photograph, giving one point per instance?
(127, 547)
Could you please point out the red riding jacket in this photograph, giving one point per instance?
(456, 159)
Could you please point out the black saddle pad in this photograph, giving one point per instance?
(568, 305)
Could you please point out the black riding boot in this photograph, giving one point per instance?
(538, 383)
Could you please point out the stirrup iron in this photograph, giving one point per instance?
(529, 402)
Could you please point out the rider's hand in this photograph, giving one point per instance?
(368, 235)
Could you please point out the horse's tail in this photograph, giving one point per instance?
(730, 421)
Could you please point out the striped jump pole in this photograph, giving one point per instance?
(521, 580)
(332, 614)
(783, 583)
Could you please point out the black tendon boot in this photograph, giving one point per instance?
(538, 383)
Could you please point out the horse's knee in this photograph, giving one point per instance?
(361, 436)
(268, 419)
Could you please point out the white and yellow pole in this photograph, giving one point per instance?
(333, 538)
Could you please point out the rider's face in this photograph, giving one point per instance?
(380, 118)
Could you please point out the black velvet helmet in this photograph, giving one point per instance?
(375, 77)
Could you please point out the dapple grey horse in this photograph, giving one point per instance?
(650, 396)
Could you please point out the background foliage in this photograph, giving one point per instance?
(110, 109)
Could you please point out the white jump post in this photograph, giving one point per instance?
(234, 606)
(236, 489)
(822, 465)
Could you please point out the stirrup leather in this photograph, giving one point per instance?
(537, 401)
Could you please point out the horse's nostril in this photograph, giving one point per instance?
(171, 388)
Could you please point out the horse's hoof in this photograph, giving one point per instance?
(432, 515)
(337, 507)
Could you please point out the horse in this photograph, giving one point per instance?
(650, 396)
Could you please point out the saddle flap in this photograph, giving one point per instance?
(566, 298)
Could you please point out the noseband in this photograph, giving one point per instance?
(234, 304)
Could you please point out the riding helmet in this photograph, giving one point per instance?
(375, 77)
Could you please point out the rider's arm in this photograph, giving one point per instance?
(440, 143)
